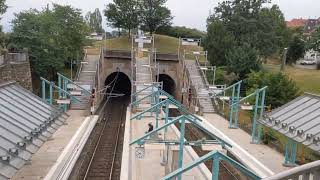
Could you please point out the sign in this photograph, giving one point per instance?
(142, 40)
(139, 152)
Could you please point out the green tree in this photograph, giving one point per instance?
(94, 21)
(314, 42)
(245, 24)
(242, 60)
(296, 49)
(218, 42)
(53, 37)
(153, 14)
(3, 7)
(281, 89)
(122, 14)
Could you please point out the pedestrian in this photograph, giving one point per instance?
(150, 127)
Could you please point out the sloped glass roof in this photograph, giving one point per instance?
(26, 122)
(298, 120)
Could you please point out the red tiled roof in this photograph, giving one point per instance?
(294, 23)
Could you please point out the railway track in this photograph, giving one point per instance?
(105, 162)
(101, 157)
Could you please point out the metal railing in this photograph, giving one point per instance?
(309, 171)
(203, 75)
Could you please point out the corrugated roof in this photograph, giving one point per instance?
(26, 122)
(298, 120)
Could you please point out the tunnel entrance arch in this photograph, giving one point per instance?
(168, 83)
(118, 83)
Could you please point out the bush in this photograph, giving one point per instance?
(183, 32)
(281, 89)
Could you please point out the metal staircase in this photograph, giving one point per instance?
(199, 83)
(143, 79)
(86, 79)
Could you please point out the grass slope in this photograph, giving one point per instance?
(163, 44)
(307, 80)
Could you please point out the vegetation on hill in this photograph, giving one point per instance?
(163, 44)
(181, 31)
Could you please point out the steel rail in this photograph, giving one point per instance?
(116, 146)
(95, 148)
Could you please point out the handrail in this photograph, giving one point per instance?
(70, 81)
(204, 77)
(81, 66)
(297, 172)
(57, 87)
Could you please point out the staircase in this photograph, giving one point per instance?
(202, 90)
(86, 79)
(143, 80)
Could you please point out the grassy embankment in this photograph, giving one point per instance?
(163, 44)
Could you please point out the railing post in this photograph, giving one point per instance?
(215, 167)
(51, 93)
(43, 90)
(254, 125)
(231, 108)
(181, 145)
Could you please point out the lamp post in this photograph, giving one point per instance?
(284, 59)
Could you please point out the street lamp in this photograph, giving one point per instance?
(284, 59)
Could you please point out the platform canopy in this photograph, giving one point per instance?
(298, 120)
(26, 122)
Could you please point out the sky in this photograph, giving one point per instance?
(189, 13)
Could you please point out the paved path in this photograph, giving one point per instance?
(45, 158)
(150, 167)
(269, 157)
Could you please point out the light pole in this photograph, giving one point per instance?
(284, 59)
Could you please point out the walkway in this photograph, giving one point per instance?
(269, 157)
(47, 155)
(150, 166)
(197, 82)
(86, 78)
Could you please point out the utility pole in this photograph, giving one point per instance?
(284, 59)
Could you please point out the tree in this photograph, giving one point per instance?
(244, 24)
(53, 37)
(314, 42)
(3, 7)
(281, 89)
(242, 60)
(153, 14)
(122, 14)
(296, 49)
(94, 21)
(218, 42)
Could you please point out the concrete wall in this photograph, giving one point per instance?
(16, 67)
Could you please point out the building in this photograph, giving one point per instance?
(16, 67)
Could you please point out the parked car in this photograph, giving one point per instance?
(308, 62)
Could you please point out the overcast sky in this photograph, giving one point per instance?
(190, 13)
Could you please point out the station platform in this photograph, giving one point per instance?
(45, 158)
(270, 158)
(154, 165)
